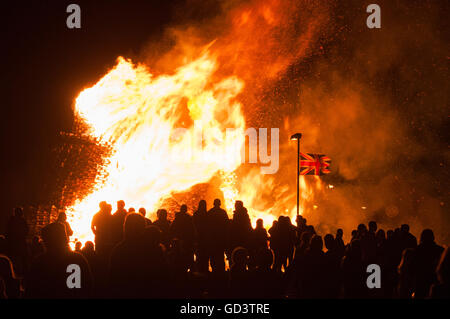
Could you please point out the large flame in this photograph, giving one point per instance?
(170, 132)
(139, 114)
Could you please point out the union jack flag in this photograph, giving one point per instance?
(314, 164)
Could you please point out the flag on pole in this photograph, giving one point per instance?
(314, 164)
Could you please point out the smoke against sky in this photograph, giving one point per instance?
(375, 101)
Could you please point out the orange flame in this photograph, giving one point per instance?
(138, 115)
(153, 123)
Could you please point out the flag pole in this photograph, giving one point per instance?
(298, 136)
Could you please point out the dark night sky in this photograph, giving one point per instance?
(45, 65)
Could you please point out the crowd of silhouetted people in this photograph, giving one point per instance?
(209, 255)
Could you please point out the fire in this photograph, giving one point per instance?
(139, 114)
(168, 133)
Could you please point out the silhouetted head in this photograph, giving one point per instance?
(239, 257)
(339, 233)
(310, 228)
(354, 233)
(54, 237)
(362, 229)
(78, 246)
(131, 210)
(142, 211)
(238, 205)
(120, 205)
(259, 223)
(264, 258)
(427, 237)
(134, 226)
(443, 268)
(103, 206)
(217, 203)
(62, 217)
(316, 243)
(288, 220)
(183, 209)
(162, 214)
(404, 228)
(329, 241)
(373, 226)
(89, 246)
(18, 212)
(202, 205)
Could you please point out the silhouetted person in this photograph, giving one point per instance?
(182, 228)
(62, 218)
(354, 234)
(16, 236)
(266, 283)
(258, 241)
(200, 219)
(441, 290)
(157, 274)
(373, 227)
(240, 280)
(78, 246)
(368, 243)
(301, 227)
(427, 256)
(241, 227)
(274, 240)
(164, 226)
(88, 250)
(101, 227)
(284, 237)
(218, 240)
(332, 273)
(89, 253)
(392, 259)
(134, 267)
(143, 212)
(353, 272)
(340, 246)
(407, 240)
(312, 276)
(48, 277)
(118, 218)
(131, 210)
